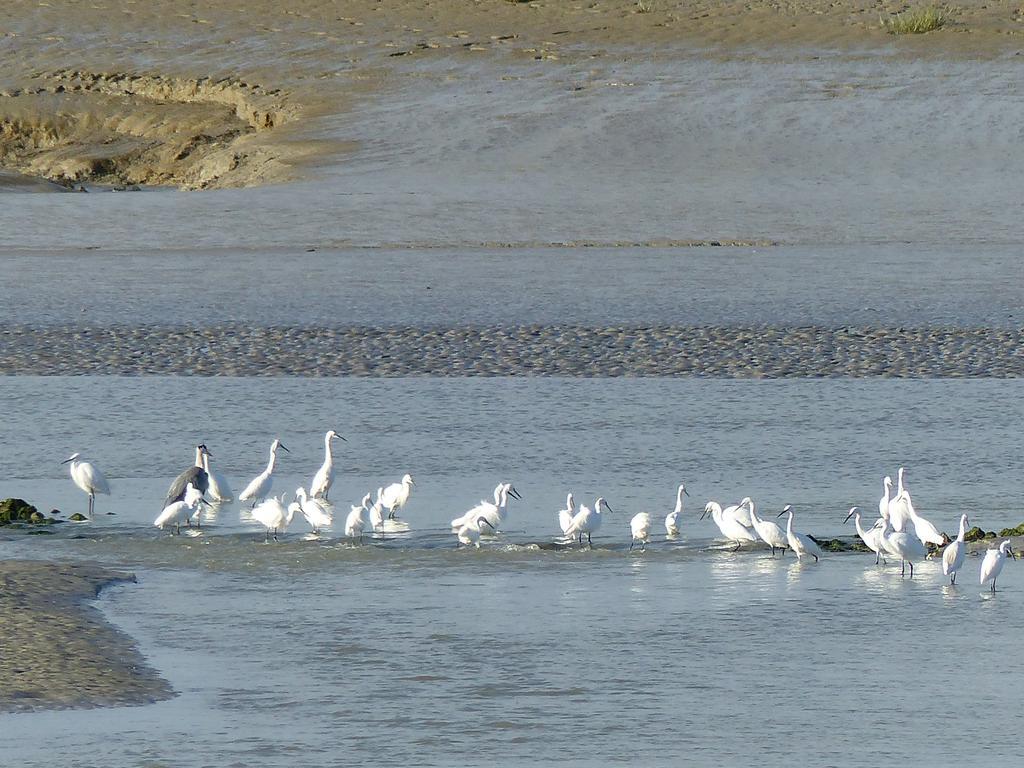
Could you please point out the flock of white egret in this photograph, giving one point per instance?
(899, 532)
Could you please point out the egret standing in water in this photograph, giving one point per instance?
(469, 532)
(640, 528)
(314, 510)
(194, 475)
(260, 486)
(324, 477)
(587, 521)
(219, 489)
(800, 543)
(87, 477)
(178, 512)
(953, 556)
(495, 513)
(377, 514)
(356, 520)
(273, 515)
(904, 545)
(728, 525)
(872, 537)
(993, 563)
(769, 531)
(675, 517)
(396, 495)
(565, 515)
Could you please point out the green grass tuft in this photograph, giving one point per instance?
(917, 21)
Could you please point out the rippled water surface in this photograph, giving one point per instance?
(405, 651)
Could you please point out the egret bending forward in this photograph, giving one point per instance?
(728, 525)
(640, 528)
(178, 512)
(87, 477)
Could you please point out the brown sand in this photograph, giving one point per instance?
(127, 92)
(58, 652)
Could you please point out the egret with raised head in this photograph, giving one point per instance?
(259, 488)
(87, 477)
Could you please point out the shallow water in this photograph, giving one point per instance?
(876, 286)
(407, 651)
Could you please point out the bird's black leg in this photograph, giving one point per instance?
(952, 579)
(590, 541)
(734, 549)
(911, 570)
(903, 572)
(631, 545)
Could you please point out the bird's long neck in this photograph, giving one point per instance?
(789, 525)
(497, 495)
(328, 456)
(856, 522)
(206, 463)
(753, 514)
(963, 529)
(199, 458)
(273, 460)
(570, 503)
(679, 501)
(899, 483)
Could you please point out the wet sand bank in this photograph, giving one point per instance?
(752, 352)
(237, 95)
(58, 651)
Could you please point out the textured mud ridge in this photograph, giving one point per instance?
(124, 129)
(59, 653)
(531, 350)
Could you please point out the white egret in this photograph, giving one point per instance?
(872, 537)
(396, 495)
(377, 514)
(800, 543)
(899, 515)
(178, 512)
(469, 532)
(769, 531)
(993, 563)
(496, 512)
(739, 513)
(675, 517)
(640, 528)
(953, 556)
(260, 486)
(565, 515)
(87, 477)
(923, 529)
(272, 515)
(315, 511)
(356, 520)
(904, 545)
(196, 475)
(729, 526)
(324, 477)
(218, 489)
(587, 521)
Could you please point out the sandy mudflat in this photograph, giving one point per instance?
(178, 93)
(58, 652)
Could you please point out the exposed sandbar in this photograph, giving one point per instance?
(58, 651)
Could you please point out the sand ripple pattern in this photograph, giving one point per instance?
(762, 352)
